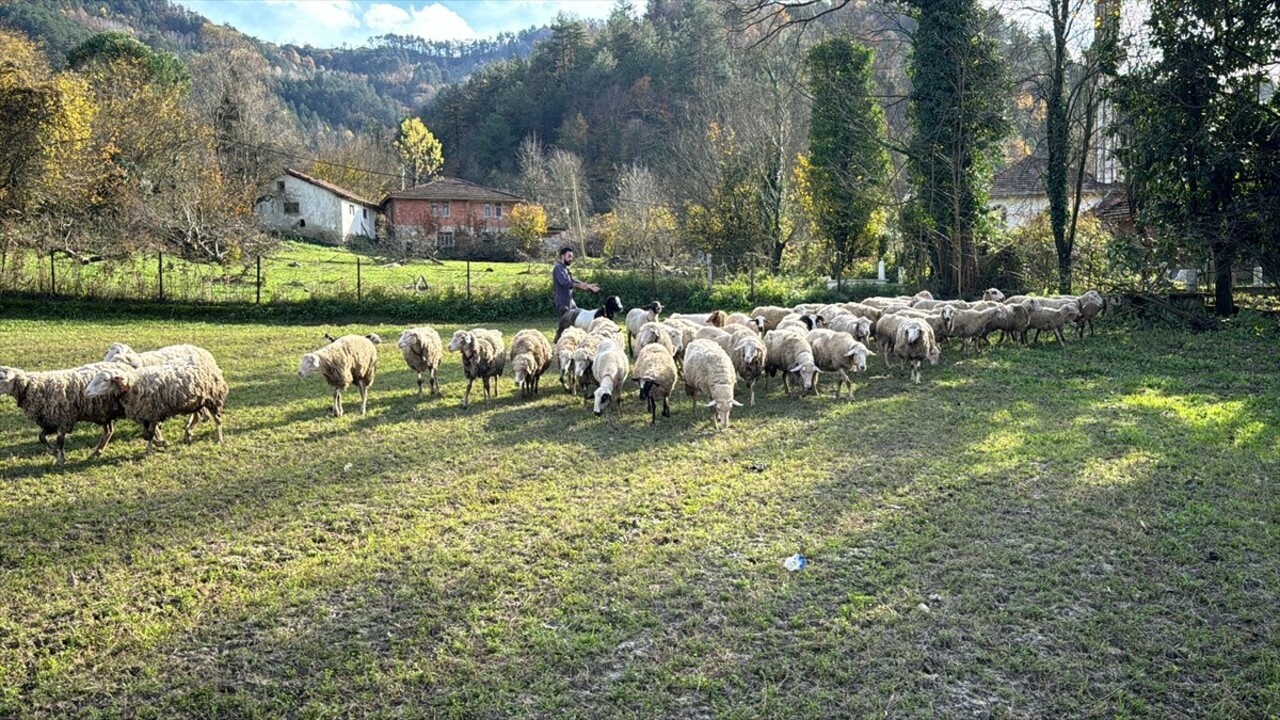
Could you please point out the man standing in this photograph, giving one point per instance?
(564, 282)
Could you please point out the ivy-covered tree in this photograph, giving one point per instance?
(848, 162)
(420, 152)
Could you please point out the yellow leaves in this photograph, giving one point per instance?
(528, 225)
(420, 151)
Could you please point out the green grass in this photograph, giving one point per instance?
(1092, 528)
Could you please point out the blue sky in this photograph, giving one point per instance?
(331, 23)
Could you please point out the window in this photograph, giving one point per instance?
(435, 210)
(497, 210)
(364, 213)
(444, 240)
(290, 208)
(351, 210)
(488, 211)
(446, 209)
(279, 186)
(302, 223)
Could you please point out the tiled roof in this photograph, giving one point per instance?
(1114, 207)
(449, 188)
(1025, 177)
(340, 192)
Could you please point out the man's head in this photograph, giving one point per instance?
(566, 255)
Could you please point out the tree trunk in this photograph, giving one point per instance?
(1224, 256)
(1058, 140)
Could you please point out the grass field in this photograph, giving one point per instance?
(1088, 530)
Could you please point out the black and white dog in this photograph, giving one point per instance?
(579, 317)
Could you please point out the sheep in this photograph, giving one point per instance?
(1092, 304)
(582, 318)
(797, 321)
(748, 353)
(1013, 321)
(653, 332)
(972, 326)
(122, 353)
(655, 372)
(583, 357)
(914, 342)
(755, 323)
(610, 368)
(54, 400)
(154, 393)
(862, 310)
(605, 326)
(993, 295)
(708, 370)
(422, 351)
(374, 338)
(771, 314)
(837, 352)
(530, 357)
(564, 349)
(1044, 317)
(347, 360)
(716, 318)
(789, 351)
(484, 356)
(859, 328)
(636, 319)
(939, 320)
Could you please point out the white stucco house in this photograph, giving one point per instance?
(1018, 194)
(313, 208)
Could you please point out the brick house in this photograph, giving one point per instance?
(451, 216)
(1018, 193)
(313, 208)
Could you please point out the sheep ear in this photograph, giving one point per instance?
(711, 404)
(795, 369)
(736, 403)
(869, 352)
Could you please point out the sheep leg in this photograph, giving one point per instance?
(435, 386)
(108, 430)
(44, 440)
(666, 407)
(337, 403)
(1057, 332)
(915, 372)
(844, 379)
(419, 384)
(191, 421)
(364, 397)
(466, 396)
(752, 387)
(61, 452)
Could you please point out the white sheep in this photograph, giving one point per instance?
(754, 323)
(972, 326)
(790, 352)
(484, 356)
(913, 343)
(610, 368)
(530, 357)
(771, 315)
(583, 357)
(1044, 317)
(858, 327)
(564, 349)
(716, 318)
(350, 359)
(422, 350)
(993, 295)
(154, 393)
(709, 371)
(636, 319)
(655, 372)
(605, 326)
(54, 400)
(122, 353)
(835, 351)
(654, 332)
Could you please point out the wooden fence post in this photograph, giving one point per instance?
(258, 299)
(359, 283)
(160, 270)
(751, 277)
(53, 277)
(468, 279)
(708, 275)
(653, 276)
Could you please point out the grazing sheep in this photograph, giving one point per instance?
(121, 353)
(582, 318)
(655, 372)
(837, 352)
(530, 357)
(771, 314)
(636, 319)
(1012, 322)
(790, 352)
(606, 327)
(748, 353)
(993, 295)
(655, 332)
(801, 322)
(348, 359)
(583, 357)
(859, 328)
(1044, 317)
(422, 351)
(484, 356)
(708, 370)
(1092, 304)
(716, 319)
(972, 326)
(564, 349)
(914, 342)
(755, 323)
(155, 393)
(610, 368)
(885, 332)
(54, 400)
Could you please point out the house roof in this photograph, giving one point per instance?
(1025, 177)
(450, 188)
(1114, 207)
(339, 191)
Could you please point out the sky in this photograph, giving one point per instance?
(332, 23)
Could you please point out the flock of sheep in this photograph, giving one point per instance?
(710, 353)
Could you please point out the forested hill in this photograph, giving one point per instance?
(378, 83)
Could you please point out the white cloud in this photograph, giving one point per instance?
(431, 22)
(331, 14)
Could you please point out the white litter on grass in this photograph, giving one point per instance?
(794, 563)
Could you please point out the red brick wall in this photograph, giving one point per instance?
(401, 211)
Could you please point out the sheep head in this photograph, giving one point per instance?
(374, 338)
(655, 307)
(993, 294)
(808, 372)
(11, 380)
(408, 341)
(859, 353)
(521, 366)
(722, 402)
(310, 363)
(604, 396)
(105, 382)
(462, 342)
(646, 387)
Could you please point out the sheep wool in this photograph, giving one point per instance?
(422, 350)
(913, 343)
(530, 357)
(119, 352)
(484, 356)
(709, 371)
(637, 318)
(789, 351)
(835, 351)
(610, 368)
(155, 393)
(654, 332)
(55, 401)
(564, 349)
(655, 372)
(348, 360)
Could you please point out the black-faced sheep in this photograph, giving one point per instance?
(484, 356)
(579, 317)
(709, 371)
(54, 400)
(655, 372)
(348, 360)
(530, 357)
(422, 351)
(155, 393)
